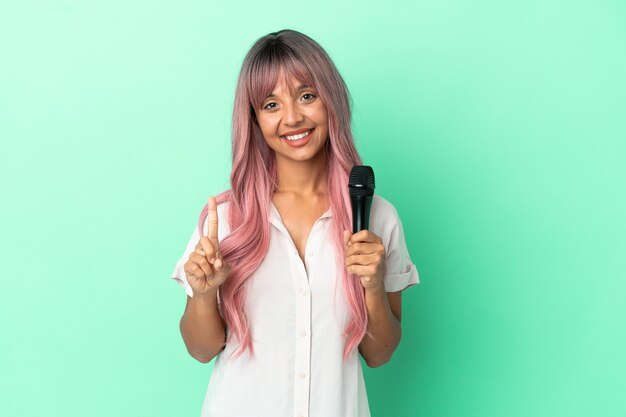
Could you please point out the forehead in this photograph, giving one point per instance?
(287, 83)
(268, 78)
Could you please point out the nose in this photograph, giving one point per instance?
(292, 116)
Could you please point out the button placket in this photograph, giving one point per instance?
(302, 376)
(302, 336)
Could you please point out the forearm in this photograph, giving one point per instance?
(202, 327)
(384, 330)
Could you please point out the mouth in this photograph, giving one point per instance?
(300, 136)
(297, 141)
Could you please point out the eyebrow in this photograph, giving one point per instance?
(299, 88)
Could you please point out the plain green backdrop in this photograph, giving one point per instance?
(496, 128)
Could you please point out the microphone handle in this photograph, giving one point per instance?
(361, 213)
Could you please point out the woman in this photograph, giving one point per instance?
(278, 287)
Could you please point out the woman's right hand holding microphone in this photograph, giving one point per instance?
(205, 269)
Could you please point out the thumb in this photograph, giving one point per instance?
(346, 237)
(222, 268)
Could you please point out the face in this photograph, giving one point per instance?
(294, 125)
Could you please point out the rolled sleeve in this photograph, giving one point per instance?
(400, 272)
(178, 274)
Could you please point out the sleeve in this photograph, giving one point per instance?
(400, 272)
(178, 274)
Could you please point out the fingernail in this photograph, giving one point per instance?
(212, 260)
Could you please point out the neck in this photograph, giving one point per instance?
(302, 177)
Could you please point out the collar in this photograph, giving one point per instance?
(277, 221)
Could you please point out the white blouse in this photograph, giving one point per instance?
(297, 315)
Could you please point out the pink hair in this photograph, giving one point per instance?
(253, 177)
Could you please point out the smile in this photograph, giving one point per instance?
(297, 137)
(299, 140)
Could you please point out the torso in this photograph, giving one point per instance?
(299, 215)
(297, 322)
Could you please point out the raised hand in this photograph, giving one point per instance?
(205, 269)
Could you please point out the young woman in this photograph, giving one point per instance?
(278, 287)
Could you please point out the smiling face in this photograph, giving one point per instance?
(293, 120)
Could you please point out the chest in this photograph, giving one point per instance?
(289, 291)
(298, 220)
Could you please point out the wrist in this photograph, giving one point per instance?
(207, 297)
(375, 290)
(376, 299)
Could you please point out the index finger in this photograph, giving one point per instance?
(212, 223)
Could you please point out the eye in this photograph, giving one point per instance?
(266, 107)
(309, 94)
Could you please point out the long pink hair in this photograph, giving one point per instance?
(253, 178)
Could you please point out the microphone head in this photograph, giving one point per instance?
(361, 183)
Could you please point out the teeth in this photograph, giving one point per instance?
(300, 136)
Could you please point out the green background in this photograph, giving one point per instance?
(496, 128)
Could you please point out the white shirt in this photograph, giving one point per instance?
(297, 317)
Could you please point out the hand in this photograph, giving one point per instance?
(206, 269)
(365, 257)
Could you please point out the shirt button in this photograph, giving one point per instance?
(302, 375)
(311, 253)
(303, 292)
(303, 333)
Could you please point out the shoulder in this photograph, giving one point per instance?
(384, 219)
(382, 207)
(383, 214)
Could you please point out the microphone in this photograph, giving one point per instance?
(361, 186)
